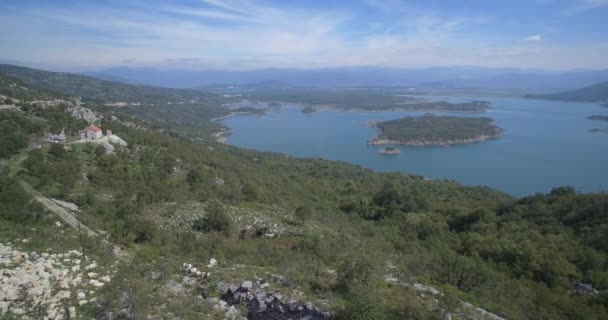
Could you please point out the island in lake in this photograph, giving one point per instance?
(309, 110)
(598, 117)
(434, 130)
(389, 150)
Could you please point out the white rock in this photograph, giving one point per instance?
(11, 294)
(82, 302)
(247, 285)
(105, 279)
(212, 263)
(91, 266)
(73, 312)
(81, 295)
(93, 275)
(51, 314)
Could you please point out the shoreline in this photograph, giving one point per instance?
(377, 141)
(220, 136)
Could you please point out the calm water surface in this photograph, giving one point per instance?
(544, 144)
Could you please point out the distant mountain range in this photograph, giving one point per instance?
(593, 93)
(440, 77)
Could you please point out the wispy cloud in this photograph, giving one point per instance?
(536, 37)
(584, 5)
(248, 34)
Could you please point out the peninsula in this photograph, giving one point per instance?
(434, 130)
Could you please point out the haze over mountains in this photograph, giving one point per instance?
(438, 77)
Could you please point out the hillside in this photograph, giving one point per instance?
(269, 236)
(16, 89)
(197, 107)
(102, 91)
(594, 93)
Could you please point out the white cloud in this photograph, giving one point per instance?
(257, 36)
(584, 5)
(536, 37)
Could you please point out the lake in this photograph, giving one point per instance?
(544, 144)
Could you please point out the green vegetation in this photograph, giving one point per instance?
(360, 99)
(430, 129)
(91, 89)
(338, 230)
(13, 88)
(593, 93)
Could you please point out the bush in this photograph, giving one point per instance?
(303, 214)
(362, 304)
(355, 273)
(215, 220)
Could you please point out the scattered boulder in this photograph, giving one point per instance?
(581, 288)
(269, 306)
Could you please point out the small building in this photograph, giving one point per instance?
(91, 133)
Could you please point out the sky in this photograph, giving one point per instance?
(74, 35)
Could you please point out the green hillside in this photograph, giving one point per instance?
(16, 89)
(92, 89)
(594, 93)
(355, 243)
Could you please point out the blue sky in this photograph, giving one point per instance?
(247, 34)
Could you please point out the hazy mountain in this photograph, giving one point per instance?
(593, 93)
(439, 77)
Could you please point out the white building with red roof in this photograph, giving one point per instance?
(91, 133)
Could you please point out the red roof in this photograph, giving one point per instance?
(94, 128)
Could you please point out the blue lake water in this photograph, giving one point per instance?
(544, 144)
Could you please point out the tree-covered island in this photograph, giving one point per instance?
(434, 130)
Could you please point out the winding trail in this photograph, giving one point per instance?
(64, 214)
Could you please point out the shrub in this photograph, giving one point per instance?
(362, 304)
(355, 273)
(303, 214)
(215, 220)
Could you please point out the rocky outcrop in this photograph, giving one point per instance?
(264, 305)
(84, 114)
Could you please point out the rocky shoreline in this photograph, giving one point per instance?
(220, 136)
(377, 141)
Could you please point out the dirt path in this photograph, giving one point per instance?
(65, 215)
